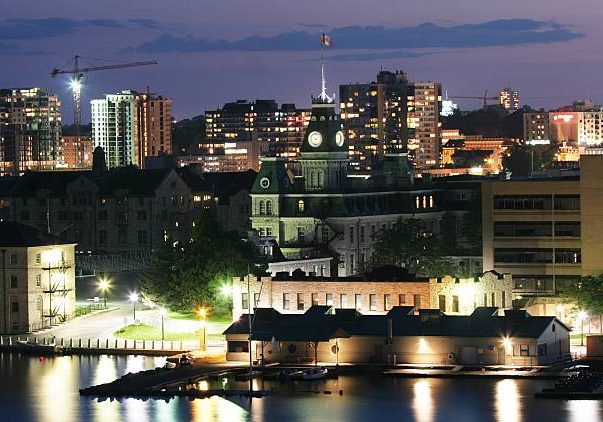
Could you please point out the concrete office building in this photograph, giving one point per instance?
(374, 117)
(38, 279)
(30, 130)
(424, 107)
(546, 232)
(131, 126)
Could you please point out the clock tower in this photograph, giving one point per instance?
(324, 150)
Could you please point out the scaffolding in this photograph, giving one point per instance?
(56, 289)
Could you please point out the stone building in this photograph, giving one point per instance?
(38, 279)
(372, 296)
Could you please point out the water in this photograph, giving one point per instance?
(47, 390)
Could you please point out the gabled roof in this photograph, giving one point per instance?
(320, 324)
(20, 235)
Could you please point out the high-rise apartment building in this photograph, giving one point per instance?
(508, 99)
(566, 126)
(75, 152)
(277, 130)
(536, 126)
(30, 130)
(424, 106)
(131, 126)
(374, 116)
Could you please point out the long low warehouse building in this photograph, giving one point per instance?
(329, 335)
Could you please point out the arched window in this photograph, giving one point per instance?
(424, 201)
(320, 177)
(268, 207)
(262, 208)
(301, 206)
(418, 202)
(430, 201)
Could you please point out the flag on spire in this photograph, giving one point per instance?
(325, 40)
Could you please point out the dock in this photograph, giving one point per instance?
(460, 371)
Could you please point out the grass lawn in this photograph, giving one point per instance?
(148, 332)
(222, 317)
(575, 338)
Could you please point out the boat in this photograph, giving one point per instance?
(310, 374)
(39, 348)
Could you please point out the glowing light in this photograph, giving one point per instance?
(422, 403)
(104, 284)
(202, 312)
(423, 346)
(52, 256)
(582, 316)
(508, 405)
(467, 294)
(162, 311)
(226, 290)
(508, 344)
(75, 85)
(133, 297)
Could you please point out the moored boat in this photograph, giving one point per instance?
(310, 374)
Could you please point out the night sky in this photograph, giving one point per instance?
(210, 53)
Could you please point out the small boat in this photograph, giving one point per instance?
(311, 374)
(39, 348)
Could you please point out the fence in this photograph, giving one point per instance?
(105, 346)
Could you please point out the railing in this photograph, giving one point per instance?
(101, 345)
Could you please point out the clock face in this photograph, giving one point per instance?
(265, 182)
(315, 139)
(339, 138)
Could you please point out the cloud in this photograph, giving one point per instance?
(11, 49)
(504, 32)
(27, 29)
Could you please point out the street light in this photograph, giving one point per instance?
(581, 317)
(162, 313)
(202, 312)
(134, 299)
(104, 285)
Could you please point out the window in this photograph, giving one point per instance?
(358, 301)
(455, 304)
(401, 299)
(503, 300)
(13, 282)
(329, 299)
(300, 302)
(524, 350)
(262, 208)
(442, 303)
(417, 301)
(343, 300)
(387, 302)
(102, 237)
(493, 299)
(38, 280)
(372, 302)
(142, 237)
(238, 346)
(314, 299)
(268, 207)
(256, 300)
(541, 349)
(352, 263)
(301, 207)
(244, 301)
(352, 234)
(361, 236)
(286, 301)
(38, 259)
(14, 306)
(301, 235)
(485, 299)
(13, 258)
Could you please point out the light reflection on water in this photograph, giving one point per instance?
(42, 390)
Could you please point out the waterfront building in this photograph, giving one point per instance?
(30, 130)
(509, 99)
(131, 126)
(546, 232)
(38, 279)
(334, 336)
(371, 295)
(374, 117)
(424, 107)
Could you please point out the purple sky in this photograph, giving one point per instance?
(548, 50)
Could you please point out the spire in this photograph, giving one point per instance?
(323, 97)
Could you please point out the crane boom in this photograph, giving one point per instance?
(76, 70)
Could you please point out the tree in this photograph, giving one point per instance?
(410, 246)
(187, 134)
(183, 277)
(587, 293)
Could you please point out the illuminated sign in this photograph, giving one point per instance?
(565, 117)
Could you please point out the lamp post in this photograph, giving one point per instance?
(134, 299)
(162, 313)
(103, 284)
(202, 312)
(581, 317)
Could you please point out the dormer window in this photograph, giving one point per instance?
(301, 206)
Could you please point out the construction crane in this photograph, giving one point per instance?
(484, 98)
(76, 86)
